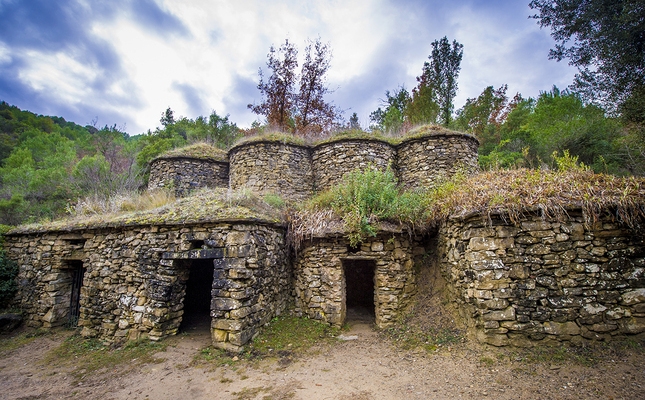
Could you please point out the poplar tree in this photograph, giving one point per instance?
(441, 73)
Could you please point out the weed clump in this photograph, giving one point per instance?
(365, 198)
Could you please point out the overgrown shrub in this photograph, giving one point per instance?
(366, 197)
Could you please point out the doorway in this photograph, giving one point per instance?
(76, 273)
(359, 289)
(197, 299)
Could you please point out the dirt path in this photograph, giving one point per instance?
(367, 367)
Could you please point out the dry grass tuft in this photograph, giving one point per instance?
(160, 207)
(514, 193)
(120, 203)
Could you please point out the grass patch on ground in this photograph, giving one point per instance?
(410, 337)
(284, 337)
(9, 343)
(584, 354)
(91, 355)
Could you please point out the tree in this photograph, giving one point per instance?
(278, 91)
(313, 113)
(353, 122)
(605, 40)
(557, 121)
(484, 115)
(306, 112)
(423, 107)
(392, 118)
(441, 73)
(167, 117)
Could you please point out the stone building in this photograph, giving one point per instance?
(147, 276)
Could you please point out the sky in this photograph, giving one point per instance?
(123, 62)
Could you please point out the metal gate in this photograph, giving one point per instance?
(75, 298)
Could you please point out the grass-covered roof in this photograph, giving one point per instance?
(161, 208)
(203, 151)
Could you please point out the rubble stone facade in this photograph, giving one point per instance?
(185, 174)
(545, 281)
(134, 279)
(534, 282)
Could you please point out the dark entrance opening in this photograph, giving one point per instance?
(197, 300)
(359, 289)
(76, 272)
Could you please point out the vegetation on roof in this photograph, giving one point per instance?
(199, 150)
(275, 136)
(160, 207)
(424, 131)
(349, 134)
(370, 198)
(354, 134)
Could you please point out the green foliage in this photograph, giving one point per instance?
(604, 40)
(441, 75)
(292, 334)
(274, 201)
(367, 197)
(392, 118)
(533, 129)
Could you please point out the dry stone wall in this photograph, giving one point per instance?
(332, 160)
(425, 161)
(272, 167)
(295, 172)
(134, 280)
(184, 174)
(545, 281)
(321, 267)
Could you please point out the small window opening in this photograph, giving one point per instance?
(353, 249)
(196, 244)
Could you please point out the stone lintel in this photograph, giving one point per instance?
(194, 254)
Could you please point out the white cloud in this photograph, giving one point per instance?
(57, 74)
(376, 44)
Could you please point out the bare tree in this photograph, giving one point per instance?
(278, 91)
(314, 114)
(306, 112)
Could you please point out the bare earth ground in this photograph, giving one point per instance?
(369, 367)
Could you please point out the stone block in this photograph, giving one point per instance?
(240, 312)
(632, 325)
(495, 304)
(489, 244)
(603, 327)
(507, 314)
(224, 304)
(219, 335)
(633, 297)
(228, 324)
(561, 328)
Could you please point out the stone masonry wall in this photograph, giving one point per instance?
(545, 281)
(331, 161)
(320, 286)
(272, 167)
(424, 161)
(135, 278)
(187, 174)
